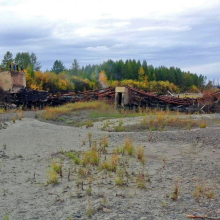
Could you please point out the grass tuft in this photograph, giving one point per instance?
(128, 146)
(140, 154)
(52, 177)
(90, 157)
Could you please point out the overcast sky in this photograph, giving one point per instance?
(180, 33)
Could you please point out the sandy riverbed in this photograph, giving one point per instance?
(188, 158)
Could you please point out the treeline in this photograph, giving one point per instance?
(135, 70)
(129, 72)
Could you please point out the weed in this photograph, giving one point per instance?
(82, 172)
(89, 211)
(120, 123)
(83, 142)
(56, 166)
(13, 119)
(6, 217)
(76, 160)
(118, 180)
(52, 177)
(129, 149)
(149, 136)
(105, 125)
(89, 191)
(87, 123)
(61, 119)
(198, 192)
(175, 193)
(144, 121)
(70, 155)
(20, 114)
(202, 190)
(119, 128)
(2, 110)
(90, 157)
(103, 143)
(209, 194)
(140, 181)
(140, 154)
(163, 204)
(110, 165)
(90, 139)
(203, 124)
(119, 150)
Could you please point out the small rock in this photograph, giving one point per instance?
(77, 215)
(106, 210)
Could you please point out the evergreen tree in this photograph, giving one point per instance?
(58, 67)
(144, 65)
(75, 68)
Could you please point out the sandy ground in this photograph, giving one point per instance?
(189, 158)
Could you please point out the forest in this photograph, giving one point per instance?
(110, 73)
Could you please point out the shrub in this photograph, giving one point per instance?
(90, 157)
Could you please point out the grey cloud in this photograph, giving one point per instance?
(195, 42)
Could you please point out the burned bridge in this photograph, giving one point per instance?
(123, 97)
(129, 97)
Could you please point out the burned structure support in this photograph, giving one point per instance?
(129, 97)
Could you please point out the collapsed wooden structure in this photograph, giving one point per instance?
(124, 97)
(128, 97)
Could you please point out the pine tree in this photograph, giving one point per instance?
(8, 58)
(58, 67)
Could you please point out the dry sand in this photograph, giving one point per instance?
(187, 157)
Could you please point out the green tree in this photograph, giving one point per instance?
(141, 74)
(58, 67)
(27, 60)
(144, 65)
(8, 58)
(75, 68)
(36, 65)
(22, 59)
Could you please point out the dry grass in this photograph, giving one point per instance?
(140, 181)
(89, 210)
(203, 190)
(2, 110)
(13, 119)
(52, 177)
(128, 146)
(56, 166)
(203, 124)
(20, 114)
(111, 164)
(90, 157)
(175, 193)
(161, 121)
(50, 113)
(140, 154)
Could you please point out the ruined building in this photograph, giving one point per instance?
(12, 81)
